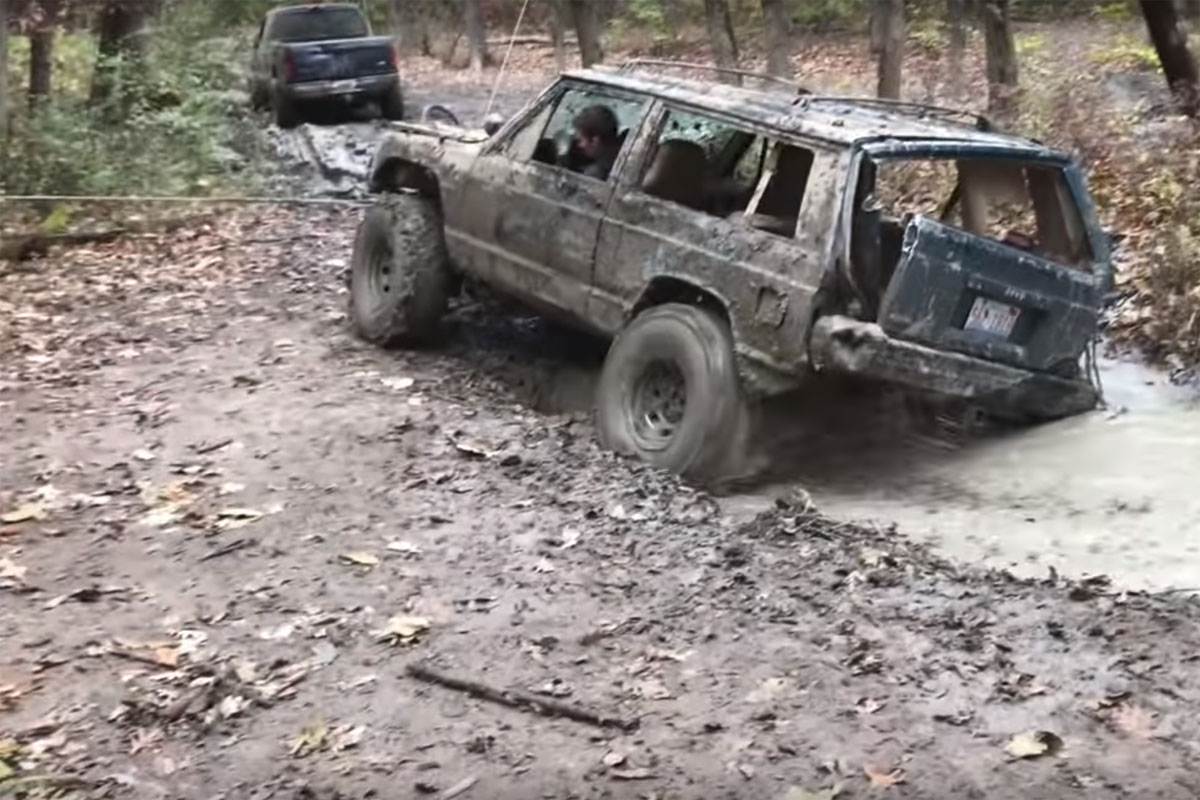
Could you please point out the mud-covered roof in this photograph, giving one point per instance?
(840, 120)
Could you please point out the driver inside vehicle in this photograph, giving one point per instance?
(596, 141)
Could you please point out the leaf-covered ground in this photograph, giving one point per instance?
(229, 527)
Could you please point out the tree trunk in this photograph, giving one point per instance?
(3, 78)
(587, 28)
(410, 25)
(41, 64)
(1178, 65)
(1002, 76)
(720, 35)
(891, 54)
(119, 26)
(558, 35)
(956, 27)
(875, 21)
(779, 39)
(476, 35)
(1190, 9)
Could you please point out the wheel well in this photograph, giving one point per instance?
(398, 173)
(674, 290)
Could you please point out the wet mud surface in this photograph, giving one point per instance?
(230, 527)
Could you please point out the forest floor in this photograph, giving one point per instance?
(229, 528)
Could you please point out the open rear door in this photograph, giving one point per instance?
(956, 291)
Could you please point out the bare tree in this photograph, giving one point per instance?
(1171, 42)
(720, 33)
(956, 27)
(476, 35)
(1002, 74)
(41, 62)
(558, 34)
(119, 26)
(587, 27)
(3, 75)
(891, 53)
(410, 23)
(779, 38)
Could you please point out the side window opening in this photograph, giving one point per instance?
(718, 169)
(557, 144)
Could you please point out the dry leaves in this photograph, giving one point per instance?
(883, 777)
(360, 559)
(1033, 744)
(403, 629)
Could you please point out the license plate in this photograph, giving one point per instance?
(343, 87)
(989, 316)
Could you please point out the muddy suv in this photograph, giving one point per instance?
(743, 242)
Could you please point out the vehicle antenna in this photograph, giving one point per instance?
(500, 75)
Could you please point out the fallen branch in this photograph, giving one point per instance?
(232, 547)
(515, 698)
(542, 41)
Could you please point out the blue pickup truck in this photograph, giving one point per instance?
(310, 54)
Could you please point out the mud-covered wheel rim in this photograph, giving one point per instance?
(656, 405)
(380, 277)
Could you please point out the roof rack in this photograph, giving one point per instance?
(662, 63)
(979, 121)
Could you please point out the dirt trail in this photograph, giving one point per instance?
(220, 481)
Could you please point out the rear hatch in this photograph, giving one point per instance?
(342, 59)
(993, 256)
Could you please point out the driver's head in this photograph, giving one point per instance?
(595, 130)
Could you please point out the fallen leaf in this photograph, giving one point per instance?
(167, 656)
(346, 736)
(570, 538)
(1134, 721)
(796, 793)
(232, 705)
(284, 631)
(1033, 744)
(311, 739)
(555, 688)
(403, 547)
(11, 569)
(35, 510)
(402, 628)
(883, 777)
(361, 559)
(231, 488)
(868, 705)
(229, 518)
(613, 759)
(143, 455)
(397, 384)
(543, 565)
(654, 690)
(161, 516)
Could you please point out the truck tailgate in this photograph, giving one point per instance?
(342, 59)
(969, 294)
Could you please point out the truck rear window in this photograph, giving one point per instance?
(315, 24)
(1023, 204)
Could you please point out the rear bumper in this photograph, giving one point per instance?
(349, 88)
(850, 346)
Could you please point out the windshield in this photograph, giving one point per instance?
(315, 24)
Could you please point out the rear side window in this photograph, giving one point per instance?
(317, 23)
(720, 169)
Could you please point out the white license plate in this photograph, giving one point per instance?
(989, 316)
(343, 87)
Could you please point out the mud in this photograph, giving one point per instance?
(244, 495)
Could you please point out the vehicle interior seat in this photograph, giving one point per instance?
(678, 173)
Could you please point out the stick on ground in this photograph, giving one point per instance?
(515, 698)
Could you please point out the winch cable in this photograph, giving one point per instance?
(504, 63)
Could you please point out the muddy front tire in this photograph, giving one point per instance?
(391, 104)
(670, 394)
(399, 275)
(285, 110)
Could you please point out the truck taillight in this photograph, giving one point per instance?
(289, 66)
(393, 57)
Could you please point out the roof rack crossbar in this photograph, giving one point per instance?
(980, 121)
(662, 63)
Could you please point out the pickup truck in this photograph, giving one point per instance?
(308, 54)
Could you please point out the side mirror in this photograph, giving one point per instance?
(492, 123)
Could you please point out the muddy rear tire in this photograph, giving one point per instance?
(399, 274)
(670, 395)
(391, 104)
(286, 111)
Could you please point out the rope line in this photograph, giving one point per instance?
(503, 64)
(216, 200)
